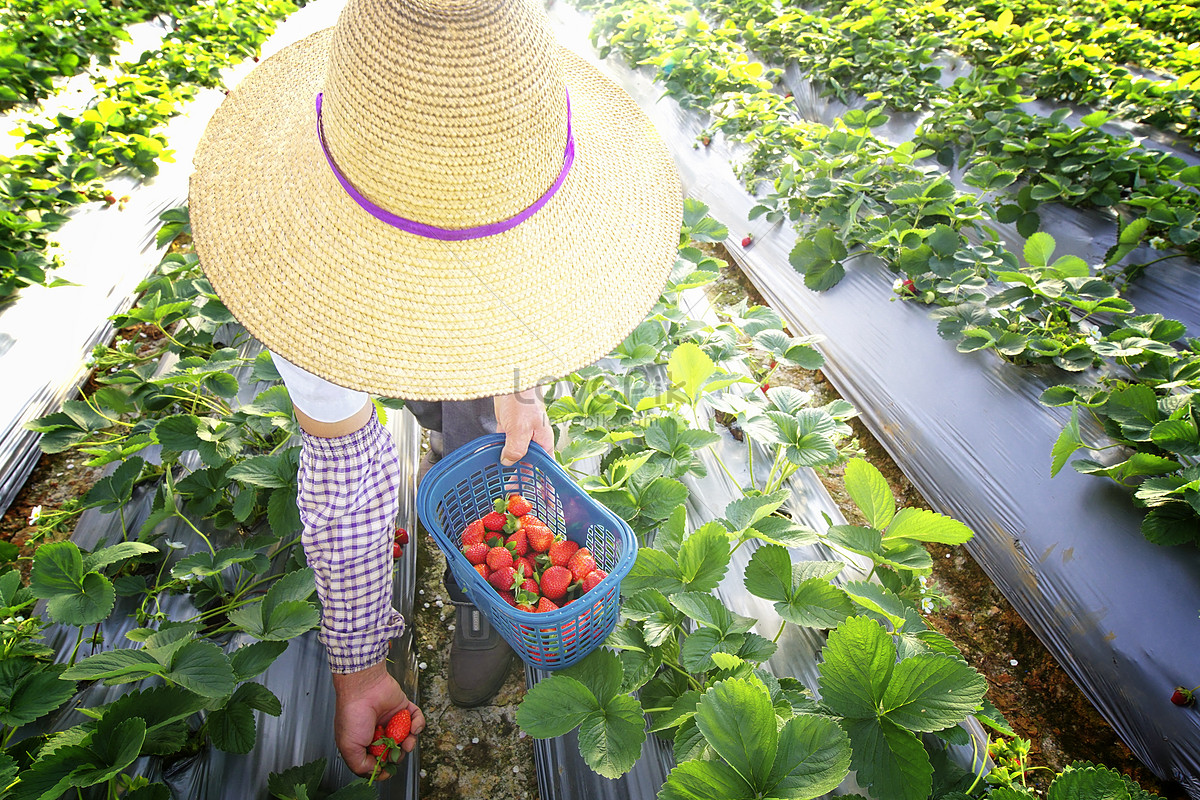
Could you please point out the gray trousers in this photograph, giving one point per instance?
(458, 421)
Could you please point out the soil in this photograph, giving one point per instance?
(478, 753)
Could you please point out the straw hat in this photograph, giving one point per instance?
(451, 115)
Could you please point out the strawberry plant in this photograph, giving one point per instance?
(62, 159)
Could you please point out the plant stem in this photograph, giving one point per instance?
(75, 649)
(779, 632)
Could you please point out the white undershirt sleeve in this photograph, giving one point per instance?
(317, 397)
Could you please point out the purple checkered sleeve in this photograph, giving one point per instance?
(349, 495)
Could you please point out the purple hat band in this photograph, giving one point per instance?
(450, 234)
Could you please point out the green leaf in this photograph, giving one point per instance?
(178, 433)
(116, 490)
(812, 759)
(769, 573)
(653, 569)
(932, 692)
(889, 759)
(859, 658)
(744, 512)
(870, 492)
(710, 612)
(30, 690)
(689, 368)
(738, 720)
(253, 659)
(232, 726)
(267, 472)
(72, 597)
(704, 558)
(117, 552)
(555, 706)
(201, 666)
(611, 740)
(1068, 441)
(927, 526)
(115, 666)
(879, 599)
(1090, 783)
(705, 780)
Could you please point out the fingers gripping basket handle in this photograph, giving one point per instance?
(462, 487)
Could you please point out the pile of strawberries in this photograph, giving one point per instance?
(522, 559)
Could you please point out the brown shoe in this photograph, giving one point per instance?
(479, 659)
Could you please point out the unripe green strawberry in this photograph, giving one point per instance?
(555, 581)
(561, 552)
(499, 557)
(476, 553)
(581, 563)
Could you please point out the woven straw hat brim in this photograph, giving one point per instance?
(365, 305)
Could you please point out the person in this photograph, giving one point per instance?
(430, 200)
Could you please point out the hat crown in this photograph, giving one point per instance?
(448, 112)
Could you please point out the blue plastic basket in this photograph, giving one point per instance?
(461, 488)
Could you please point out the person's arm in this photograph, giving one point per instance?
(349, 492)
(521, 417)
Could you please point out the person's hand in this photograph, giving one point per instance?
(521, 417)
(366, 699)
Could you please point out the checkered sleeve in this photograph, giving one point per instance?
(348, 497)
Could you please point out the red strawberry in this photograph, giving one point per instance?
(401, 536)
(397, 549)
(525, 563)
(476, 553)
(519, 542)
(1182, 696)
(530, 520)
(539, 537)
(581, 563)
(483, 571)
(592, 578)
(704, 140)
(518, 506)
(530, 585)
(908, 286)
(525, 607)
(109, 199)
(377, 748)
(555, 581)
(499, 557)
(747, 240)
(473, 533)
(494, 520)
(561, 552)
(399, 726)
(502, 579)
(546, 604)
(509, 598)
